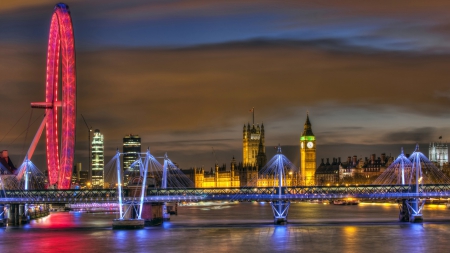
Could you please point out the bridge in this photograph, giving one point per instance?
(269, 194)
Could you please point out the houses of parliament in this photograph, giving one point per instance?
(254, 158)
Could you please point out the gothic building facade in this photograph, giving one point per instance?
(244, 173)
(438, 153)
(354, 170)
(253, 146)
(307, 154)
(237, 176)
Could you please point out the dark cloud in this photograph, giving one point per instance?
(417, 135)
(365, 151)
(206, 92)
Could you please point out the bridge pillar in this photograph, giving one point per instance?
(131, 213)
(2, 215)
(280, 210)
(415, 207)
(23, 217)
(411, 210)
(14, 217)
(403, 215)
(129, 219)
(152, 214)
(165, 213)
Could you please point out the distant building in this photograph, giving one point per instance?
(253, 146)
(307, 154)
(98, 162)
(375, 166)
(328, 173)
(76, 174)
(438, 153)
(6, 165)
(131, 151)
(244, 173)
(353, 170)
(84, 177)
(239, 175)
(350, 168)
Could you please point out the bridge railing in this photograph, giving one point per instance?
(191, 194)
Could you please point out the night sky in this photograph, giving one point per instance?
(373, 75)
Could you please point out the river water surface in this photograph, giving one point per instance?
(240, 227)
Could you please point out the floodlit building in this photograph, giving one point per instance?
(237, 176)
(307, 154)
(354, 170)
(438, 153)
(98, 160)
(253, 146)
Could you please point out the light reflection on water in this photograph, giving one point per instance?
(239, 227)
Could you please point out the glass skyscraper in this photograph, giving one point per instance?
(98, 161)
(131, 150)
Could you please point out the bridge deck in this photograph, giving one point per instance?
(227, 194)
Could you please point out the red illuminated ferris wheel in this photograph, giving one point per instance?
(60, 59)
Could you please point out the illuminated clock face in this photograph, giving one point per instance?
(310, 145)
(302, 144)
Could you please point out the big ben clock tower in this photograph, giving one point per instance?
(307, 154)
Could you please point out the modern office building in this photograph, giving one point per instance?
(76, 174)
(84, 177)
(131, 150)
(98, 161)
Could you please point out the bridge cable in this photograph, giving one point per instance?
(26, 134)
(13, 126)
(24, 131)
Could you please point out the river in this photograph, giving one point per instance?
(240, 227)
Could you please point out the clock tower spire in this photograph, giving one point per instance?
(307, 154)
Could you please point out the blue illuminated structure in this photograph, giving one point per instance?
(416, 172)
(143, 168)
(130, 204)
(119, 183)
(397, 173)
(277, 168)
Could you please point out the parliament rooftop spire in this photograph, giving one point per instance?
(307, 130)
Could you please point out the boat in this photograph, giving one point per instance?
(128, 223)
(339, 202)
(352, 202)
(342, 202)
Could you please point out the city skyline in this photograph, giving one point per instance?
(184, 75)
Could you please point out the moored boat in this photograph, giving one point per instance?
(339, 202)
(343, 202)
